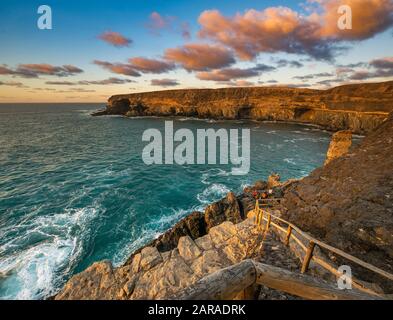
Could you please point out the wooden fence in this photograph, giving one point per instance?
(266, 220)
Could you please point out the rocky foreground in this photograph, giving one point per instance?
(359, 108)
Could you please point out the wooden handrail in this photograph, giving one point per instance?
(321, 244)
(227, 283)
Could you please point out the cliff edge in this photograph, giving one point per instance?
(359, 108)
(348, 202)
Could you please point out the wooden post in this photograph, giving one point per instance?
(256, 211)
(288, 236)
(269, 219)
(308, 256)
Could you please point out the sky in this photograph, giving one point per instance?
(99, 48)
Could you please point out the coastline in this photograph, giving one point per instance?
(233, 210)
(359, 108)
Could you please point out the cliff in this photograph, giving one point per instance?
(348, 202)
(359, 108)
(340, 144)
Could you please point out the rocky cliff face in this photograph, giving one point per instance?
(340, 144)
(348, 202)
(359, 108)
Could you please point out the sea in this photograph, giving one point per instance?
(74, 189)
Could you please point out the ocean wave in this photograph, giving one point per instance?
(37, 271)
(213, 193)
(290, 161)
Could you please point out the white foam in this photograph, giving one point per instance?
(214, 192)
(39, 270)
(290, 161)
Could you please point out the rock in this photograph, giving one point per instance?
(340, 144)
(150, 257)
(222, 232)
(273, 181)
(130, 286)
(261, 185)
(348, 203)
(331, 109)
(207, 263)
(188, 249)
(97, 282)
(192, 225)
(227, 209)
(205, 242)
(136, 263)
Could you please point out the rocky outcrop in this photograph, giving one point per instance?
(348, 202)
(227, 209)
(197, 224)
(154, 275)
(359, 108)
(340, 144)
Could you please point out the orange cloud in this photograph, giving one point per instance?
(200, 57)
(119, 68)
(369, 17)
(115, 39)
(229, 74)
(164, 82)
(281, 29)
(150, 65)
(32, 70)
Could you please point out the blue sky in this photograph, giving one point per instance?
(77, 25)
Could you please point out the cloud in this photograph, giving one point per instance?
(137, 65)
(370, 17)
(36, 70)
(291, 63)
(13, 84)
(119, 68)
(164, 82)
(108, 81)
(384, 63)
(281, 29)
(314, 75)
(151, 65)
(377, 68)
(158, 22)
(200, 57)
(229, 74)
(185, 31)
(115, 39)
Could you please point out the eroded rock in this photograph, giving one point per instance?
(340, 144)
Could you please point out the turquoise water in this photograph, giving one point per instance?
(74, 188)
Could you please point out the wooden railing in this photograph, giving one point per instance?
(230, 282)
(292, 232)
